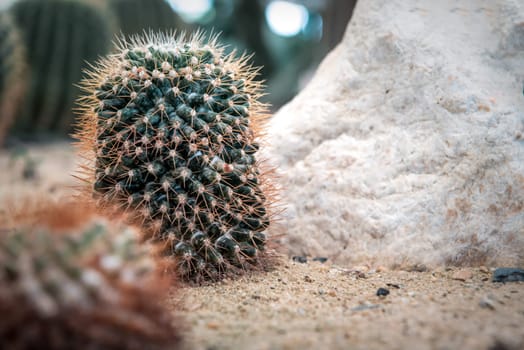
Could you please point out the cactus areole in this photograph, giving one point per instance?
(173, 124)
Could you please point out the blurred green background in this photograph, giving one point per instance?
(45, 44)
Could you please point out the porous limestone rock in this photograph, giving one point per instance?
(407, 147)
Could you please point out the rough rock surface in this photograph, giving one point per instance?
(407, 147)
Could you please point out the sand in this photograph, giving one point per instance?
(317, 305)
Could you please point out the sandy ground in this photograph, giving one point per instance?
(37, 170)
(315, 305)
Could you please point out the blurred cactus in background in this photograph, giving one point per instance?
(135, 16)
(59, 35)
(287, 38)
(12, 80)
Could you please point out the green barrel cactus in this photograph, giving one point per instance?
(136, 16)
(86, 286)
(173, 124)
(11, 73)
(60, 36)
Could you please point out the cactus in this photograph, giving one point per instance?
(69, 280)
(11, 73)
(173, 124)
(60, 35)
(135, 16)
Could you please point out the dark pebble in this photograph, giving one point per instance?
(418, 268)
(300, 259)
(308, 279)
(508, 274)
(320, 259)
(382, 292)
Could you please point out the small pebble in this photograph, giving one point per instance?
(308, 279)
(487, 303)
(300, 259)
(365, 307)
(462, 275)
(213, 325)
(360, 269)
(483, 269)
(382, 292)
(320, 259)
(382, 269)
(418, 268)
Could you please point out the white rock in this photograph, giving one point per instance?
(408, 144)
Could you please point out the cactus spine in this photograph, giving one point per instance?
(11, 73)
(60, 35)
(135, 16)
(173, 123)
(87, 285)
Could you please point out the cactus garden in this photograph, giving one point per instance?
(60, 36)
(155, 193)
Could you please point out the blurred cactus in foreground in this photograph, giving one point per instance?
(137, 16)
(12, 78)
(69, 280)
(59, 36)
